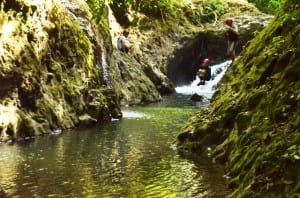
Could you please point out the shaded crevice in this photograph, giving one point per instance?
(182, 68)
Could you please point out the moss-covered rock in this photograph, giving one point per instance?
(51, 68)
(256, 104)
(134, 85)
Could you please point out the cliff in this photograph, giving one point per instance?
(252, 124)
(53, 73)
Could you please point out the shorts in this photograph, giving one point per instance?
(125, 50)
(231, 46)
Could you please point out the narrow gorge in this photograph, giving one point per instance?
(61, 70)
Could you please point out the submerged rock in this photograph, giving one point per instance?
(196, 98)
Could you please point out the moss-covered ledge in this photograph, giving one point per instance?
(201, 131)
(253, 121)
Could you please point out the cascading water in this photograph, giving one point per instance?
(106, 75)
(208, 89)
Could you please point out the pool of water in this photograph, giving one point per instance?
(131, 157)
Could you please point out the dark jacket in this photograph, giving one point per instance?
(231, 35)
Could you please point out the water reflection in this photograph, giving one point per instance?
(131, 157)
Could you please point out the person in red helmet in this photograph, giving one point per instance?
(233, 37)
(204, 72)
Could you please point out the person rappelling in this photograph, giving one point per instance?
(204, 72)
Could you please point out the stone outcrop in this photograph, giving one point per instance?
(132, 82)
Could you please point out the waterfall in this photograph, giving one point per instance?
(101, 64)
(106, 75)
(208, 89)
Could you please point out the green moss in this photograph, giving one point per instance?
(243, 121)
(255, 99)
(26, 126)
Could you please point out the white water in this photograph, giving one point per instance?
(133, 114)
(106, 75)
(208, 89)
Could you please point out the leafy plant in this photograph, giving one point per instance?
(268, 6)
(159, 8)
(97, 7)
(154, 8)
(206, 11)
(276, 39)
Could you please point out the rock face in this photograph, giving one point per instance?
(131, 81)
(253, 120)
(52, 73)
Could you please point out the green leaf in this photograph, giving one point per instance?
(296, 157)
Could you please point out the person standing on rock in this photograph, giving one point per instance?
(233, 37)
(204, 72)
(123, 43)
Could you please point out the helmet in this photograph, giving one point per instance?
(125, 32)
(228, 21)
(207, 61)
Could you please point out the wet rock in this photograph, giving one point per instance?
(87, 119)
(196, 98)
(56, 132)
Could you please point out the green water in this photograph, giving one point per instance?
(132, 157)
